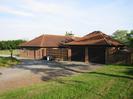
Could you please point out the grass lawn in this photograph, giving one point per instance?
(7, 61)
(107, 82)
(7, 52)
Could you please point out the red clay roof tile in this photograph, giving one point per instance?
(48, 41)
(96, 38)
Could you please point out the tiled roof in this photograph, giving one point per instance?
(48, 41)
(96, 38)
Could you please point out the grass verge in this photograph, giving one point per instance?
(7, 61)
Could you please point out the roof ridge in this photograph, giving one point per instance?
(42, 40)
(54, 35)
(104, 38)
(60, 35)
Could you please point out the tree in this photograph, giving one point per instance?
(124, 36)
(10, 45)
(121, 35)
(130, 38)
(69, 34)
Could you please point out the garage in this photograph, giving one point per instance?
(93, 48)
(78, 54)
(96, 55)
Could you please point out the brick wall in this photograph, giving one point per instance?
(56, 53)
(116, 56)
(31, 53)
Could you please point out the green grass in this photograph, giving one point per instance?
(7, 61)
(7, 52)
(107, 82)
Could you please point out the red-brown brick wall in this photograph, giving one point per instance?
(31, 53)
(57, 53)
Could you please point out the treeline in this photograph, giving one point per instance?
(10, 44)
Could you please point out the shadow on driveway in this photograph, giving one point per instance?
(52, 69)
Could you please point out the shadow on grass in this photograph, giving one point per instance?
(111, 75)
(128, 68)
(123, 65)
(129, 71)
(69, 82)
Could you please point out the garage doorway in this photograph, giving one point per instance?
(96, 55)
(78, 54)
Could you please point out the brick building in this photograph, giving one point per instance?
(95, 47)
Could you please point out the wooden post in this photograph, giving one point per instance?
(69, 54)
(62, 54)
(86, 55)
(106, 55)
(45, 51)
(27, 53)
(34, 54)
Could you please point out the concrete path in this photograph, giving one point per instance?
(35, 71)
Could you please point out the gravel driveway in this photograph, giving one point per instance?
(35, 71)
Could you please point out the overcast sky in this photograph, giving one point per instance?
(26, 19)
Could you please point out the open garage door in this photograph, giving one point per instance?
(96, 55)
(78, 54)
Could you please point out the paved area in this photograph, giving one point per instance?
(35, 71)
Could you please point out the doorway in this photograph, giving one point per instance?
(96, 54)
(78, 54)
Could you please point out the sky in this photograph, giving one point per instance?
(26, 19)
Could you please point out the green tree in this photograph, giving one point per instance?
(121, 35)
(124, 36)
(130, 38)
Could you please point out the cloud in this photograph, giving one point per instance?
(9, 10)
(37, 7)
(58, 16)
(42, 7)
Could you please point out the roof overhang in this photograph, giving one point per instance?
(96, 45)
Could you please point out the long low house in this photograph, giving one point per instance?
(96, 47)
